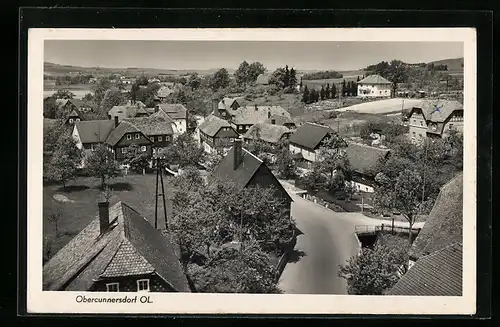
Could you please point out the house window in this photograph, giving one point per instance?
(124, 150)
(154, 150)
(143, 148)
(152, 138)
(71, 120)
(421, 123)
(143, 285)
(78, 119)
(413, 133)
(113, 287)
(92, 147)
(451, 126)
(160, 138)
(129, 137)
(137, 136)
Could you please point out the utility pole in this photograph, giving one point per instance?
(159, 177)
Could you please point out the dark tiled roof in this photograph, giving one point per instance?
(123, 128)
(437, 274)
(226, 103)
(94, 131)
(267, 132)
(212, 124)
(364, 158)
(374, 79)
(153, 125)
(280, 120)
(250, 115)
(74, 113)
(78, 103)
(444, 223)
(437, 110)
(176, 111)
(310, 135)
(130, 246)
(243, 173)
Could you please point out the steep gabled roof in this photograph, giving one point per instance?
(310, 135)
(131, 246)
(437, 274)
(123, 128)
(437, 111)
(94, 131)
(226, 103)
(153, 125)
(250, 115)
(212, 124)
(176, 111)
(242, 175)
(364, 158)
(280, 120)
(444, 224)
(267, 132)
(374, 79)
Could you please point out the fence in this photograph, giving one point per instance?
(370, 229)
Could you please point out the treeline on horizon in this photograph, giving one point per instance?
(327, 74)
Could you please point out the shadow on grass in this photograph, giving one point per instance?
(295, 255)
(72, 188)
(120, 186)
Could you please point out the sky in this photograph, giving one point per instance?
(302, 55)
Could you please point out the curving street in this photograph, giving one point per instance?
(327, 242)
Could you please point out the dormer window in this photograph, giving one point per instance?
(137, 136)
(160, 138)
(129, 137)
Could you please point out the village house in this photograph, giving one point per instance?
(226, 106)
(363, 160)
(177, 112)
(281, 120)
(124, 135)
(89, 134)
(268, 133)
(374, 86)
(119, 251)
(129, 110)
(75, 104)
(164, 91)
(304, 144)
(435, 264)
(216, 134)
(244, 169)
(72, 117)
(435, 118)
(244, 117)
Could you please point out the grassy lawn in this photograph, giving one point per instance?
(138, 191)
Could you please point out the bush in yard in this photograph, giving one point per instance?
(101, 165)
(184, 151)
(65, 160)
(136, 159)
(285, 164)
(374, 270)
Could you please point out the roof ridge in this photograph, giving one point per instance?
(441, 250)
(253, 155)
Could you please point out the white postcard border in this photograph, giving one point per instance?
(39, 301)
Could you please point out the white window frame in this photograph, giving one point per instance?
(124, 150)
(129, 137)
(139, 281)
(160, 139)
(110, 285)
(154, 150)
(152, 138)
(71, 120)
(92, 146)
(137, 136)
(143, 148)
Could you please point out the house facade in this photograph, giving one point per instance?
(119, 251)
(89, 134)
(364, 160)
(268, 133)
(226, 106)
(246, 116)
(435, 118)
(216, 134)
(177, 112)
(305, 142)
(374, 86)
(125, 135)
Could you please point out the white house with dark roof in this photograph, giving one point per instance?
(216, 134)
(177, 112)
(89, 134)
(435, 118)
(374, 86)
(269, 133)
(245, 116)
(306, 140)
(119, 251)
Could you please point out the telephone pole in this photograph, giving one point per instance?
(159, 177)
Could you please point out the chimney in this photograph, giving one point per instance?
(237, 153)
(103, 216)
(116, 121)
(256, 108)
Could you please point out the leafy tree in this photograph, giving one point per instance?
(293, 77)
(184, 151)
(344, 89)
(49, 107)
(285, 164)
(213, 159)
(242, 73)
(136, 159)
(277, 78)
(194, 81)
(142, 81)
(88, 97)
(328, 91)
(147, 94)
(101, 165)
(219, 80)
(100, 87)
(286, 78)
(374, 270)
(63, 94)
(314, 97)
(55, 216)
(313, 179)
(333, 163)
(235, 270)
(322, 93)
(112, 97)
(333, 91)
(350, 189)
(52, 134)
(65, 160)
(254, 70)
(301, 83)
(305, 95)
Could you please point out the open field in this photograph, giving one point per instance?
(382, 106)
(316, 83)
(84, 193)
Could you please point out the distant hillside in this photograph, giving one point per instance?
(453, 64)
(57, 69)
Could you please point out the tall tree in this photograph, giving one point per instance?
(100, 87)
(49, 107)
(278, 77)
(194, 81)
(184, 151)
(328, 91)
(314, 95)
(220, 79)
(333, 163)
(254, 70)
(305, 95)
(285, 164)
(241, 75)
(322, 93)
(136, 159)
(65, 160)
(112, 97)
(286, 78)
(333, 91)
(101, 165)
(293, 77)
(344, 88)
